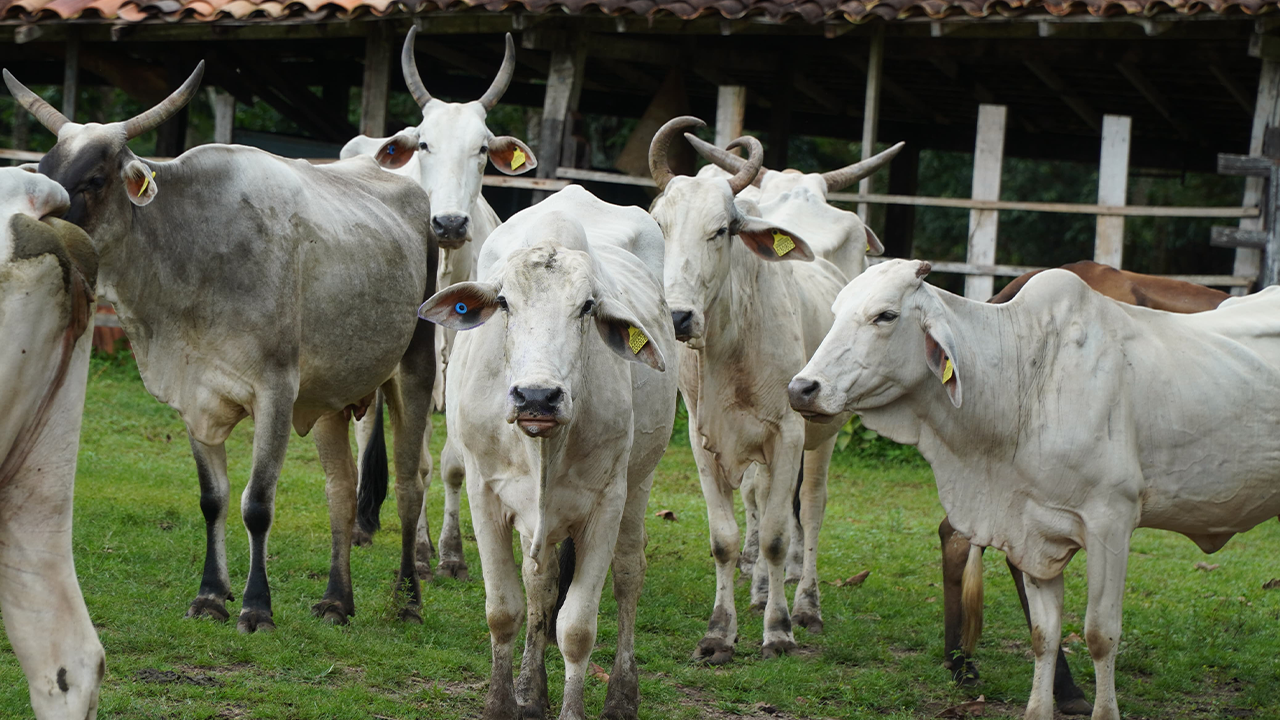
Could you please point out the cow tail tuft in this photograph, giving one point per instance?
(568, 562)
(971, 601)
(374, 475)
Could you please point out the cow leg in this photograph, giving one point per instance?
(364, 431)
(955, 553)
(425, 550)
(1068, 696)
(44, 612)
(503, 603)
(452, 563)
(540, 589)
(215, 495)
(333, 445)
(576, 624)
(780, 478)
(795, 548)
(622, 701)
(1044, 600)
(410, 421)
(759, 577)
(807, 608)
(716, 647)
(271, 423)
(1106, 566)
(750, 545)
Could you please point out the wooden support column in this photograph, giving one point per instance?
(1266, 113)
(564, 87)
(71, 73)
(224, 115)
(871, 113)
(377, 79)
(900, 220)
(731, 106)
(1113, 185)
(988, 157)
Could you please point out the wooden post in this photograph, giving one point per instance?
(871, 112)
(224, 115)
(564, 87)
(1266, 112)
(900, 220)
(71, 73)
(377, 78)
(731, 106)
(988, 156)
(1113, 184)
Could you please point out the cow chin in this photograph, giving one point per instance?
(540, 426)
(450, 243)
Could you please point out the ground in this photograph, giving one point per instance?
(1197, 644)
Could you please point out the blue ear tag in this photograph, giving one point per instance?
(460, 308)
(391, 149)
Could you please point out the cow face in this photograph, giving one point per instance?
(549, 301)
(889, 338)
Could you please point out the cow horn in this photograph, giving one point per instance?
(722, 159)
(658, 166)
(844, 177)
(500, 83)
(751, 168)
(409, 66)
(36, 105)
(151, 119)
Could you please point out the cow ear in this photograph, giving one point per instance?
(462, 306)
(511, 156)
(939, 355)
(396, 151)
(139, 182)
(626, 336)
(874, 246)
(773, 243)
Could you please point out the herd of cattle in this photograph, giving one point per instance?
(305, 296)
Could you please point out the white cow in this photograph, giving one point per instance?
(47, 275)
(1061, 421)
(560, 411)
(729, 294)
(446, 154)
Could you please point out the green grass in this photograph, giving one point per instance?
(1195, 644)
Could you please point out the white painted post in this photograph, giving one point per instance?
(71, 73)
(988, 156)
(731, 106)
(224, 115)
(377, 79)
(1113, 185)
(871, 111)
(1266, 112)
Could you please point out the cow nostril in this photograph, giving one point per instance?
(554, 396)
(517, 396)
(811, 389)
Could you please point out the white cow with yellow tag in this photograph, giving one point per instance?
(560, 405)
(749, 322)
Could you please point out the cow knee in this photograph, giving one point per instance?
(776, 550)
(1101, 640)
(504, 622)
(575, 637)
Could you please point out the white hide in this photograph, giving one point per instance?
(1067, 421)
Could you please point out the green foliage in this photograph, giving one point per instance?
(862, 443)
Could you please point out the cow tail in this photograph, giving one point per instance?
(374, 475)
(568, 561)
(971, 601)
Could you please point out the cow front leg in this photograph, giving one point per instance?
(452, 475)
(541, 586)
(780, 477)
(576, 623)
(215, 495)
(955, 554)
(503, 604)
(751, 513)
(622, 700)
(1106, 565)
(426, 550)
(271, 423)
(1044, 599)
(716, 647)
(806, 611)
(333, 445)
(1067, 695)
(410, 422)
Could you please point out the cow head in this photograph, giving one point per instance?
(701, 221)
(102, 176)
(891, 336)
(547, 298)
(450, 148)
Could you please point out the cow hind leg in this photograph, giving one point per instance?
(409, 421)
(541, 587)
(751, 543)
(1044, 600)
(1067, 695)
(806, 611)
(371, 448)
(257, 505)
(622, 700)
(1106, 566)
(955, 555)
(215, 496)
(778, 636)
(795, 548)
(716, 647)
(333, 445)
(426, 549)
(452, 562)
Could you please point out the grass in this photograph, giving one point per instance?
(1196, 644)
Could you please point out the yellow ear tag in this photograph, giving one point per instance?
(782, 244)
(947, 371)
(145, 183)
(517, 159)
(636, 340)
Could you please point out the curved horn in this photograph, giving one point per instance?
(751, 168)
(409, 67)
(36, 105)
(658, 166)
(844, 177)
(151, 119)
(500, 83)
(722, 159)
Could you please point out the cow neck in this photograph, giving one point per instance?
(735, 319)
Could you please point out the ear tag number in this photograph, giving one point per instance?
(145, 182)
(460, 308)
(636, 340)
(517, 158)
(782, 244)
(947, 372)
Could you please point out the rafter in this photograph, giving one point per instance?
(1079, 105)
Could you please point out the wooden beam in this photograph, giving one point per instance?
(641, 81)
(731, 106)
(871, 112)
(1155, 97)
(71, 73)
(1234, 237)
(829, 100)
(899, 93)
(988, 156)
(1233, 87)
(330, 126)
(1113, 184)
(564, 88)
(1266, 114)
(377, 79)
(1091, 117)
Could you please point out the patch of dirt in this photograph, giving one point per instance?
(710, 709)
(171, 677)
(232, 711)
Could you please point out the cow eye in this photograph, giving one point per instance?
(721, 232)
(423, 147)
(96, 182)
(502, 303)
(887, 316)
(587, 307)
(484, 149)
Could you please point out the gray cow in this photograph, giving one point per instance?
(255, 286)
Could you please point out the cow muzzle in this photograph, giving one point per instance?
(687, 324)
(804, 394)
(450, 230)
(539, 412)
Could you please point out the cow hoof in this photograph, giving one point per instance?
(411, 615)
(966, 674)
(810, 621)
(617, 712)
(1076, 706)
(713, 651)
(533, 711)
(452, 568)
(758, 606)
(424, 571)
(777, 648)
(360, 538)
(210, 608)
(332, 611)
(255, 621)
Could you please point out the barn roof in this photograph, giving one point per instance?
(799, 11)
